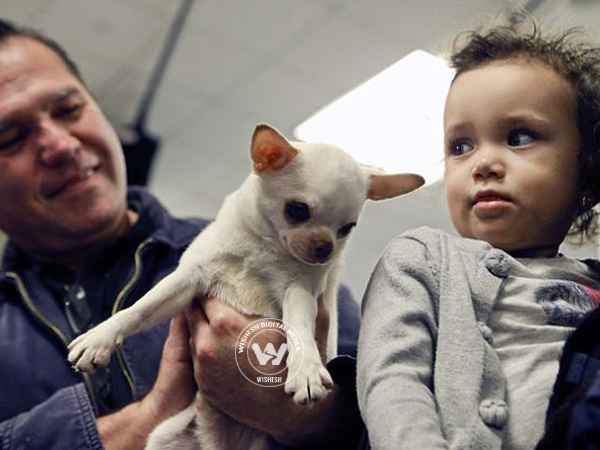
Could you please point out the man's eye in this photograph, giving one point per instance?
(345, 230)
(459, 147)
(11, 137)
(297, 212)
(521, 137)
(67, 111)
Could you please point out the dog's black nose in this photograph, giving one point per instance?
(323, 249)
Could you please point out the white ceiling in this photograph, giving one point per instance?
(240, 62)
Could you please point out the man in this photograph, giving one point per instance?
(81, 247)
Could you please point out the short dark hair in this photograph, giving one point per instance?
(570, 56)
(10, 30)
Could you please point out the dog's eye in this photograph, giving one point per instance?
(345, 230)
(297, 212)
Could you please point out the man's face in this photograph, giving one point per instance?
(512, 156)
(62, 172)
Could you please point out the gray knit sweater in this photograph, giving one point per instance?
(428, 377)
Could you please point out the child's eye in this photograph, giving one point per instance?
(521, 137)
(460, 147)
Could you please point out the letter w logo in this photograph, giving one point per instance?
(264, 357)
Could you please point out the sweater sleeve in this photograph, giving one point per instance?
(396, 350)
(64, 421)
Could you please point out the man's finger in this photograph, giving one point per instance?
(177, 345)
(178, 327)
(195, 316)
(224, 320)
(212, 307)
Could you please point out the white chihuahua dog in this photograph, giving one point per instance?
(273, 249)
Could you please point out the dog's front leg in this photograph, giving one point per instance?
(331, 302)
(307, 379)
(92, 350)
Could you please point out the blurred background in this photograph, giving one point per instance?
(235, 63)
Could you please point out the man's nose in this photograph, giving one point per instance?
(56, 145)
(489, 163)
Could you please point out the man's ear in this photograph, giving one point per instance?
(270, 150)
(383, 186)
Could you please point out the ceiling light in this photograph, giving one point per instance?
(392, 121)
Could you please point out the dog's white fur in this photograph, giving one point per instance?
(256, 259)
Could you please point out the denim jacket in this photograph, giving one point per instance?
(44, 403)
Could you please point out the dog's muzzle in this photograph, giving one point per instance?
(312, 246)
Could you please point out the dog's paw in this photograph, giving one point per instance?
(310, 384)
(92, 350)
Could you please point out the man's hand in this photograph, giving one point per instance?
(174, 390)
(175, 387)
(214, 330)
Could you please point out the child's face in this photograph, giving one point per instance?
(512, 147)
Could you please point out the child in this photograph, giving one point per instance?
(461, 337)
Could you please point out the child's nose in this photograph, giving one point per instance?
(56, 145)
(488, 165)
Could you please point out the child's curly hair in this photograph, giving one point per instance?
(577, 61)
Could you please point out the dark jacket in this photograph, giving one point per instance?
(44, 403)
(573, 418)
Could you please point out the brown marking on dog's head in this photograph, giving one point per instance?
(270, 150)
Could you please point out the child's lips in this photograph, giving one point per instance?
(490, 203)
(489, 195)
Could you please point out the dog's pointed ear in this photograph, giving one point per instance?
(383, 186)
(270, 150)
